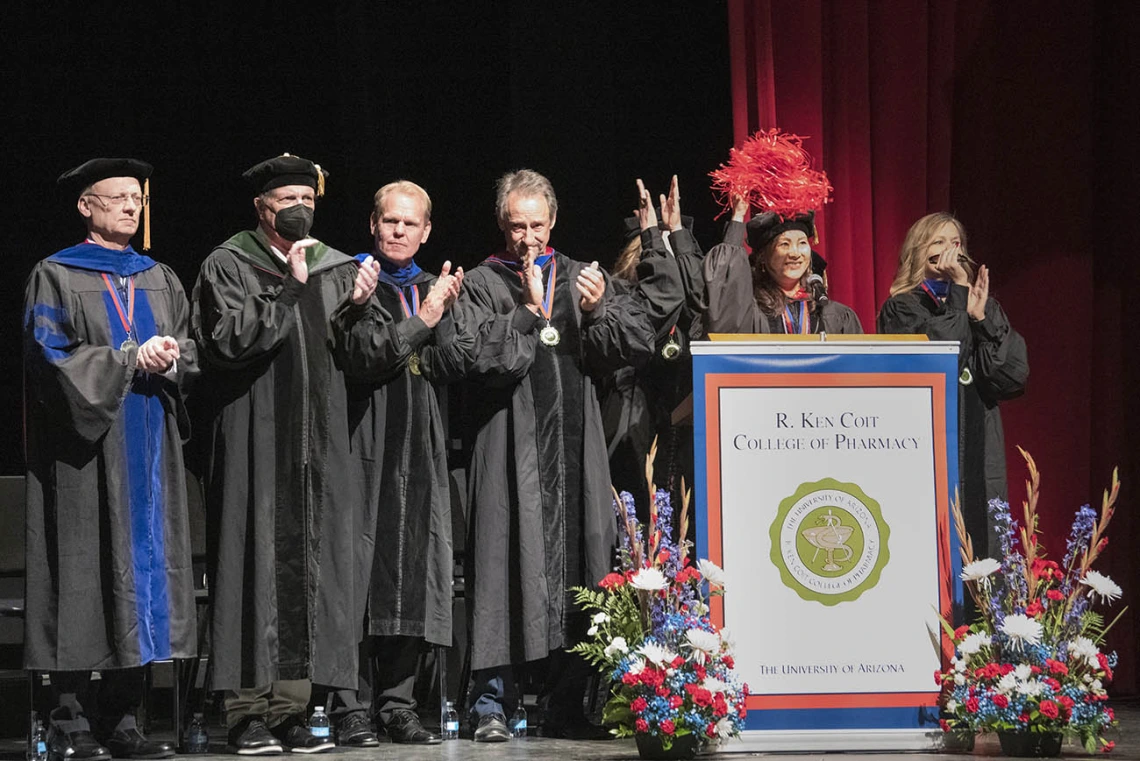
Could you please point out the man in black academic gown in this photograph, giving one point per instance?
(278, 476)
(109, 576)
(541, 519)
(404, 557)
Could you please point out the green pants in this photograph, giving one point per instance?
(276, 702)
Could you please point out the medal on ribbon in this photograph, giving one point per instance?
(549, 335)
(794, 323)
(126, 316)
(671, 350)
(414, 360)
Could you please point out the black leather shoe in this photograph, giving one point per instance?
(405, 727)
(74, 746)
(131, 743)
(294, 734)
(250, 737)
(355, 731)
(492, 729)
(576, 729)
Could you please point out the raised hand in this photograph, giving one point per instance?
(592, 286)
(739, 207)
(367, 275)
(296, 259)
(444, 291)
(979, 295)
(949, 268)
(646, 215)
(671, 206)
(532, 284)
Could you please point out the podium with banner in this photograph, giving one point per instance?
(824, 476)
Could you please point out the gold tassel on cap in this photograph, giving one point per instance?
(146, 214)
(320, 181)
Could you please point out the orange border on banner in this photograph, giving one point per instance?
(714, 382)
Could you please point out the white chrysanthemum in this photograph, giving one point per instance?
(727, 640)
(951, 705)
(973, 643)
(1022, 629)
(655, 653)
(699, 639)
(1007, 683)
(1087, 678)
(714, 685)
(1096, 685)
(649, 580)
(960, 666)
(1032, 688)
(1023, 672)
(724, 728)
(959, 679)
(1084, 649)
(712, 572)
(600, 618)
(1102, 586)
(619, 645)
(980, 569)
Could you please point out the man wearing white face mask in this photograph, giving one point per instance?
(277, 473)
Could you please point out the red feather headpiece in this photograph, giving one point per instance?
(773, 173)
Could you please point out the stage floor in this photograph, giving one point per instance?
(1127, 747)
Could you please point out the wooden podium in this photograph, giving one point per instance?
(824, 475)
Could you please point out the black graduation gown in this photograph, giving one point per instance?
(109, 580)
(278, 477)
(732, 306)
(540, 508)
(998, 363)
(404, 554)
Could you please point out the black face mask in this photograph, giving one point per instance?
(294, 222)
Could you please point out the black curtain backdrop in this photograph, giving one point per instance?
(450, 95)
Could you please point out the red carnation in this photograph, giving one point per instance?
(1053, 683)
(1001, 701)
(701, 672)
(667, 726)
(639, 705)
(728, 661)
(702, 697)
(612, 581)
(662, 691)
(678, 662)
(1034, 608)
(1111, 713)
(710, 730)
(720, 708)
(937, 676)
(961, 632)
(1108, 746)
(663, 557)
(1054, 594)
(1056, 667)
(1024, 718)
(630, 679)
(1035, 670)
(1067, 702)
(944, 724)
(972, 704)
(676, 701)
(1049, 708)
(1006, 668)
(641, 726)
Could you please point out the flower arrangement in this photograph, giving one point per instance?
(1032, 661)
(672, 670)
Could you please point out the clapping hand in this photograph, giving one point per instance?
(296, 259)
(442, 295)
(671, 207)
(592, 285)
(532, 283)
(646, 215)
(979, 295)
(367, 276)
(157, 354)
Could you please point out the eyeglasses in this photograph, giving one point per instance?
(115, 202)
(934, 259)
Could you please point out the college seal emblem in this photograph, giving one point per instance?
(829, 541)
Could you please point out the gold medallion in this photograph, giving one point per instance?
(414, 364)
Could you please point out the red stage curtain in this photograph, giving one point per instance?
(1013, 115)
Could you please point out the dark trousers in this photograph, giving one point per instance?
(387, 680)
(79, 706)
(561, 699)
(275, 702)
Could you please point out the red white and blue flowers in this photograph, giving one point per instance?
(1032, 661)
(672, 669)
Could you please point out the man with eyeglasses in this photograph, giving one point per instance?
(107, 359)
(278, 479)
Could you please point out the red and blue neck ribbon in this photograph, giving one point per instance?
(796, 317)
(414, 309)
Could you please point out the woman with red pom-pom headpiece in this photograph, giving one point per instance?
(777, 292)
(939, 291)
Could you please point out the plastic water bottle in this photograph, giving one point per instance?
(197, 740)
(450, 722)
(518, 722)
(319, 723)
(37, 743)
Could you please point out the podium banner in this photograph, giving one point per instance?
(824, 479)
